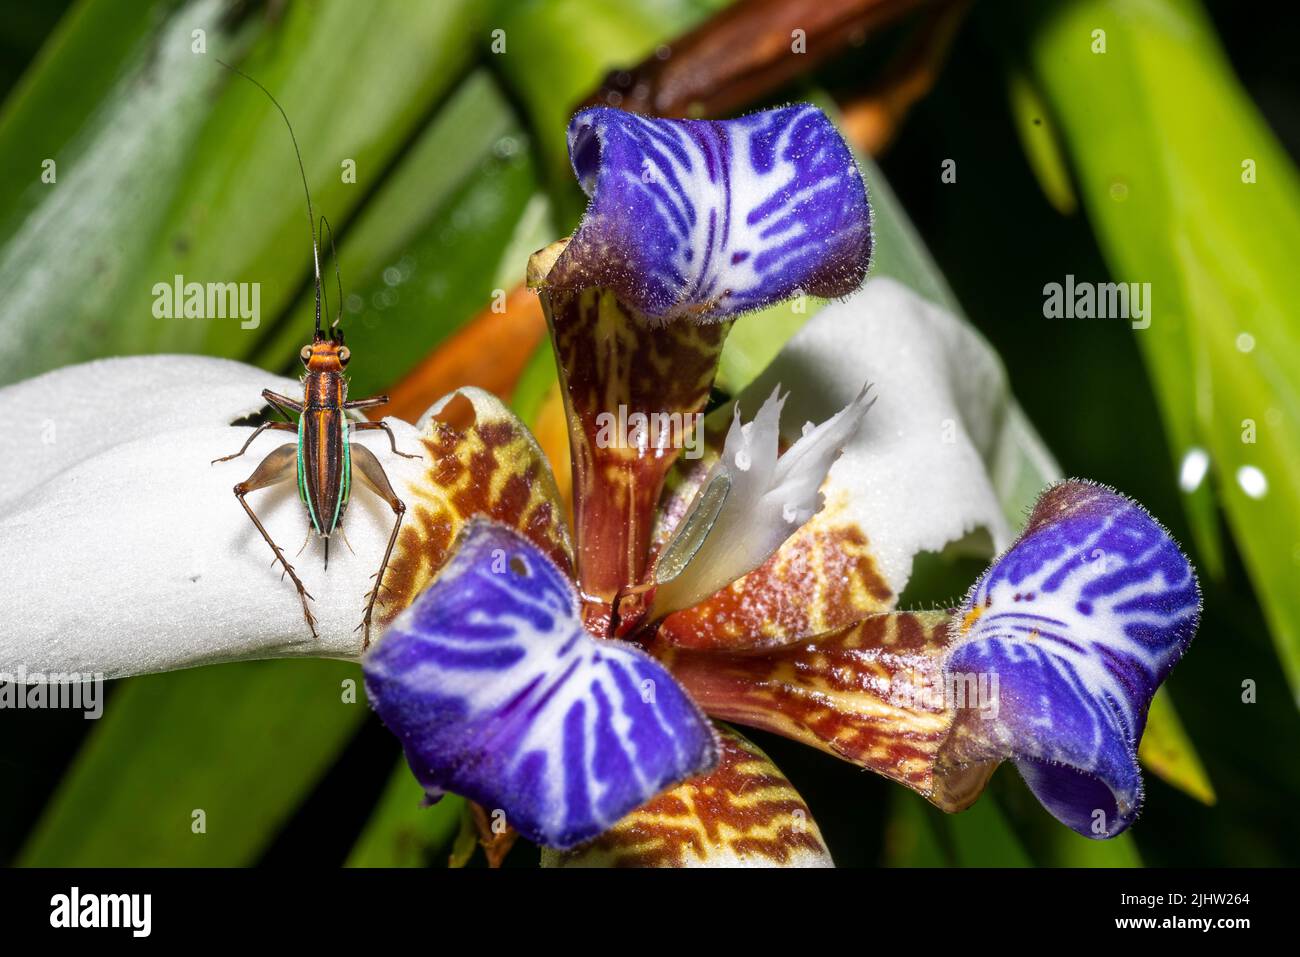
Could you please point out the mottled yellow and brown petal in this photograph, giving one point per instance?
(491, 467)
(824, 578)
(873, 694)
(744, 814)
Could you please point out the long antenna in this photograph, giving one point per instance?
(325, 227)
(325, 293)
(311, 216)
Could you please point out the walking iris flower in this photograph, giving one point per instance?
(571, 691)
(744, 568)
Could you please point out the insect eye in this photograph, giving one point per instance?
(305, 353)
(345, 354)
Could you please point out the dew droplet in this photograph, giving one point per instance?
(1252, 481)
(1192, 472)
(1245, 342)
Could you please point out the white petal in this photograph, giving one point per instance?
(929, 466)
(767, 499)
(802, 469)
(62, 417)
(129, 552)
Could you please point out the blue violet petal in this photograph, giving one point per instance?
(497, 693)
(1080, 621)
(704, 219)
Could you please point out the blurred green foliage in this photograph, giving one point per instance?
(199, 767)
(1189, 190)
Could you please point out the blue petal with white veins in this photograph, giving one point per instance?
(1079, 621)
(707, 219)
(497, 693)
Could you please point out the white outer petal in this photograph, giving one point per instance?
(128, 552)
(57, 419)
(907, 487)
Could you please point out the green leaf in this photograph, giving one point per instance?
(238, 212)
(1041, 143)
(431, 219)
(403, 832)
(913, 834)
(441, 279)
(73, 248)
(410, 284)
(241, 743)
(983, 837)
(181, 168)
(1164, 143)
(558, 51)
(94, 44)
(1068, 849)
(1166, 750)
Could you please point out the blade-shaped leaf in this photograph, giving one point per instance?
(230, 749)
(79, 231)
(422, 255)
(1190, 192)
(403, 831)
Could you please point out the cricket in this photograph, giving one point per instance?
(324, 460)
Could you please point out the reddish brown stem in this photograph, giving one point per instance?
(747, 51)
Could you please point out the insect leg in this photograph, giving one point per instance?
(370, 426)
(276, 426)
(282, 403)
(280, 466)
(365, 465)
(366, 403)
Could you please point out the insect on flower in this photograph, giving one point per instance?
(324, 458)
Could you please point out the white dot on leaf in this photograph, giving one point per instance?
(1252, 481)
(1192, 472)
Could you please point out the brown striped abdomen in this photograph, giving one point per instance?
(323, 461)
